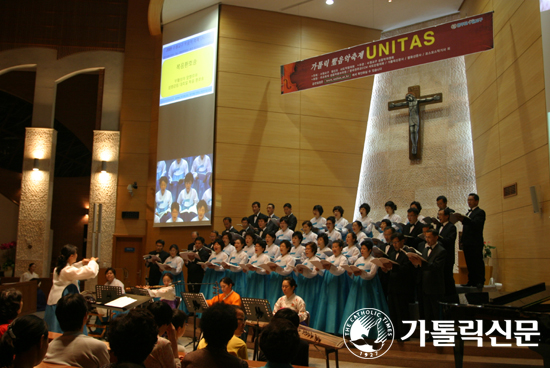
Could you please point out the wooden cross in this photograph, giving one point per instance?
(412, 101)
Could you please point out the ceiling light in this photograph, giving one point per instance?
(330, 2)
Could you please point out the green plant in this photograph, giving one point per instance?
(487, 250)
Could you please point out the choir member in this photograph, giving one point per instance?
(234, 270)
(412, 229)
(309, 235)
(390, 212)
(323, 247)
(247, 227)
(318, 220)
(214, 272)
(195, 272)
(357, 228)
(249, 239)
(253, 219)
(332, 233)
(202, 208)
(298, 249)
(292, 221)
(365, 290)
(67, 272)
(258, 278)
(334, 292)
(154, 272)
(271, 248)
(174, 264)
(400, 286)
(310, 281)
(351, 251)
(174, 213)
(384, 224)
(418, 206)
(339, 222)
(290, 299)
(441, 202)
(262, 227)
(447, 232)
(227, 238)
(284, 233)
(366, 221)
(227, 223)
(163, 200)
(286, 263)
(188, 197)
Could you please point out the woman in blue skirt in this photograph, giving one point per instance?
(214, 272)
(309, 281)
(334, 292)
(234, 270)
(258, 278)
(285, 265)
(366, 290)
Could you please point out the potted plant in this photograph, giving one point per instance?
(8, 255)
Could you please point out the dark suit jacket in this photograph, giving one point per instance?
(248, 229)
(154, 272)
(432, 271)
(233, 230)
(417, 230)
(255, 223)
(472, 232)
(401, 278)
(194, 270)
(448, 241)
(292, 222)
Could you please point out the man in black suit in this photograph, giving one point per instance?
(472, 241)
(262, 227)
(253, 219)
(412, 229)
(292, 221)
(228, 224)
(195, 273)
(247, 227)
(447, 232)
(154, 271)
(270, 212)
(400, 285)
(194, 236)
(442, 203)
(433, 285)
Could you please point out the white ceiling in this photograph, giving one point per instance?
(377, 14)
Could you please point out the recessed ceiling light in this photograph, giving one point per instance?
(330, 2)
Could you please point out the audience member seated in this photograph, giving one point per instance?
(179, 321)
(165, 352)
(132, 337)
(73, 347)
(10, 307)
(25, 343)
(110, 275)
(218, 325)
(30, 274)
(236, 346)
(279, 342)
(301, 357)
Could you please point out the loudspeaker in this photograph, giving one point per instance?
(537, 208)
(133, 215)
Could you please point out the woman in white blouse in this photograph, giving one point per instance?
(30, 274)
(351, 252)
(334, 292)
(309, 235)
(66, 273)
(228, 248)
(215, 271)
(332, 233)
(366, 221)
(357, 228)
(339, 222)
(310, 280)
(284, 233)
(258, 279)
(284, 265)
(390, 212)
(290, 299)
(110, 275)
(234, 270)
(318, 220)
(271, 248)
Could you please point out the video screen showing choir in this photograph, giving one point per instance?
(184, 191)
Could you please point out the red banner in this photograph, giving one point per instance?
(448, 40)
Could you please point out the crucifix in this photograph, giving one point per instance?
(412, 101)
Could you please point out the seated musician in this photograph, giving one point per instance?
(291, 300)
(110, 275)
(167, 294)
(228, 296)
(280, 342)
(73, 348)
(165, 352)
(235, 346)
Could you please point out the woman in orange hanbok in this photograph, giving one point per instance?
(228, 296)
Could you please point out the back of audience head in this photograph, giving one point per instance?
(71, 312)
(132, 336)
(162, 313)
(26, 335)
(288, 314)
(279, 341)
(218, 323)
(179, 321)
(10, 305)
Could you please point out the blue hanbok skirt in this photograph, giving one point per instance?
(256, 285)
(210, 277)
(308, 290)
(332, 301)
(239, 278)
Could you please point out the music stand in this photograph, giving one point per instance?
(257, 310)
(195, 303)
(105, 294)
